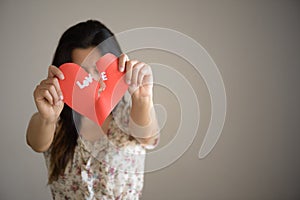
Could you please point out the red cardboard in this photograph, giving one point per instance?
(80, 90)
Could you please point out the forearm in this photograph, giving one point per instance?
(40, 133)
(143, 123)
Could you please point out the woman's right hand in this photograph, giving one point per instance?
(48, 96)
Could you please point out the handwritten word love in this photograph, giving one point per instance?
(89, 79)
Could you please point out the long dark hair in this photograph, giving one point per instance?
(82, 35)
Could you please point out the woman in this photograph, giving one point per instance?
(86, 161)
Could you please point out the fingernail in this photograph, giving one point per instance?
(61, 76)
(61, 97)
(121, 69)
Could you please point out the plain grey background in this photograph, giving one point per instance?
(256, 47)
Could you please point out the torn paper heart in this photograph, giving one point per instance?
(81, 91)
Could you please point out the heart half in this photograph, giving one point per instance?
(80, 90)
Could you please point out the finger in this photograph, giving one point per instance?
(135, 73)
(122, 61)
(52, 91)
(44, 94)
(129, 65)
(54, 94)
(55, 72)
(148, 78)
(54, 81)
(143, 71)
(37, 94)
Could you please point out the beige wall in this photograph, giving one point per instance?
(256, 47)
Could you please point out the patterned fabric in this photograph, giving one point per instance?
(110, 168)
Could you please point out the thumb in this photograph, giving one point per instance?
(55, 72)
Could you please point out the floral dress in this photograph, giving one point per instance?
(110, 168)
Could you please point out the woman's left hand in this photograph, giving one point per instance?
(138, 76)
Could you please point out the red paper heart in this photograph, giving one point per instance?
(80, 90)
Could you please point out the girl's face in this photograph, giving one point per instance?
(87, 58)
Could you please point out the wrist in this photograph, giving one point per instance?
(46, 121)
(142, 102)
